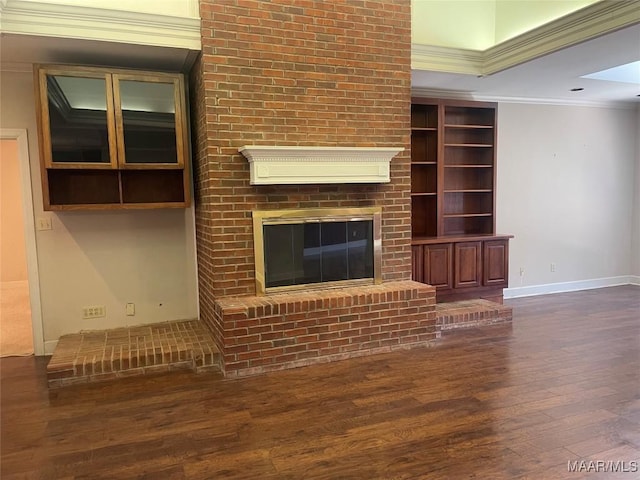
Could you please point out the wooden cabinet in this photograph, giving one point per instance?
(496, 263)
(453, 177)
(438, 266)
(468, 264)
(463, 267)
(112, 139)
(433, 264)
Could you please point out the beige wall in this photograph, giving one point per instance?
(636, 214)
(480, 24)
(104, 258)
(457, 24)
(566, 191)
(514, 17)
(13, 259)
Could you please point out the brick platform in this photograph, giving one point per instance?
(256, 334)
(273, 333)
(471, 313)
(93, 356)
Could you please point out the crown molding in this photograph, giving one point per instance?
(469, 95)
(557, 101)
(89, 23)
(287, 165)
(445, 59)
(582, 25)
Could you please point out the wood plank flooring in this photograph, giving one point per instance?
(561, 384)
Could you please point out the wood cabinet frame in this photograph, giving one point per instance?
(42, 110)
(180, 117)
(121, 185)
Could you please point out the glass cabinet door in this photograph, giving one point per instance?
(77, 121)
(150, 121)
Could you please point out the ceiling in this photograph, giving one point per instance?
(551, 77)
(547, 79)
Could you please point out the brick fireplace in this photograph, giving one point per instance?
(302, 73)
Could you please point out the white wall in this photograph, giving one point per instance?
(636, 222)
(566, 191)
(104, 258)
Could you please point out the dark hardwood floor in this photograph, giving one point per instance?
(562, 384)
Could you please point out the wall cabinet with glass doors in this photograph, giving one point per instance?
(112, 139)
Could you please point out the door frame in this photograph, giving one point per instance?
(33, 276)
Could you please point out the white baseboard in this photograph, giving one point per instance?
(50, 346)
(517, 292)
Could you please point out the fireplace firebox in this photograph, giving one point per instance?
(297, 249)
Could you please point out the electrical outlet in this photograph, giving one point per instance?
(94, 311)
(43, 223)
(130, 309)
(553, 267)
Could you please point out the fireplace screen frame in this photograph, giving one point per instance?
(315, 215)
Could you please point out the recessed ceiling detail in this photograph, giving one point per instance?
(628, 73)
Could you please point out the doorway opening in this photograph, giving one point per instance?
(21, 330)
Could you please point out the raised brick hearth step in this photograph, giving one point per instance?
(92, 356)
(471, 313)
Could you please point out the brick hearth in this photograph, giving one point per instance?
(93, 356)
(124, 352)
(263, 333)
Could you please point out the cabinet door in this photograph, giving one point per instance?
(416, 263)
(438, 265)
(468, 264)
(76, 119)
(496, 263)
(150, 121)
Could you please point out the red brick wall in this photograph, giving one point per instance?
(292, 330)
(295, 72)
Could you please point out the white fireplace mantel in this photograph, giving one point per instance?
(277, 165)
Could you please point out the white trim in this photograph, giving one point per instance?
(446, 59)
(50, 347)
(469, 95)
(89, 23)
(295, 165)
(30, 235)
(518, 292)
(558, 101)
(585, 24)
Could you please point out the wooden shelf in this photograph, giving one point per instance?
(465, 215)
(424, 240)
(474, 145)
(468, 126)
(453, 179)
(470, 190)
(468, 166)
